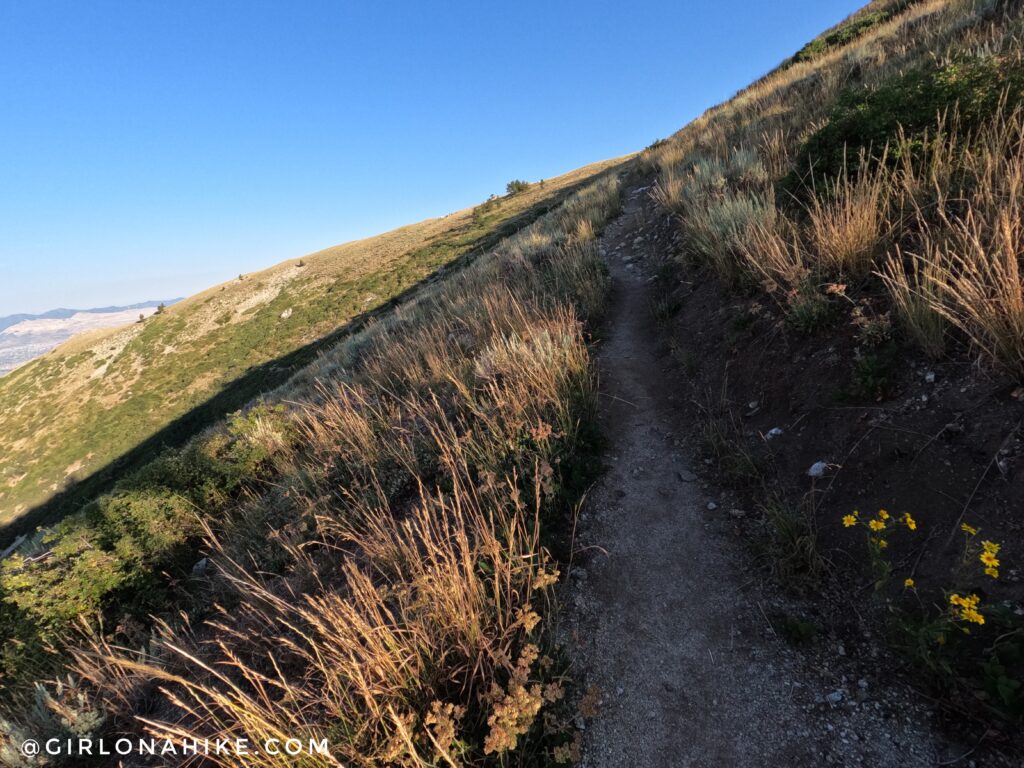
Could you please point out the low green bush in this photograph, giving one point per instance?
(844, 34)
(850, 30)
(118, 548)
(68, 582)
(871, 118)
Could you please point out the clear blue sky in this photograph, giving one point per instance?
(150, 149)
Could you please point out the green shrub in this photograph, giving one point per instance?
(870, 119)
(117, 548)
(842, 35)
(809, 310)
(849, 31)
(516, 186)
(874, 374)
(55, 590)
(144, 526)
(214, 466)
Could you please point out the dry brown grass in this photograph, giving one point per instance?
(441, 615)
(977, 281)
(848, 221)
(774, 150)
(940, 226)
(915, 298)
(407, 626)
(668, 191)
(965, 265)
(775, 253)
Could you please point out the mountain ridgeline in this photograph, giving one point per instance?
(105, 402)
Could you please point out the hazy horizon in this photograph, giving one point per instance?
(128, 305)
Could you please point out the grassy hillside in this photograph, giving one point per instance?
(365, 555)
(101, 396)
(844, 294)
(375, 529)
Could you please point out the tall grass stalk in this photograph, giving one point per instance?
(402, 619)
(848, 220)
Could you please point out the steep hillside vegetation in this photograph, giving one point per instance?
(843, 296)
(376, 532)
(67, 416)
(367, 553)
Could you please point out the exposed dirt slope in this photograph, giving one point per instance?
(670, 622)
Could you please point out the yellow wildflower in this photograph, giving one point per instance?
(910, 522)
(970, 530)
(882, 543)
(993, 572)
(990, 546)
(971, 601)
(971, 615)
(989, 559)
(968, 607)
(883, 515)
(908, 583)
(876, 525)
(849, 520)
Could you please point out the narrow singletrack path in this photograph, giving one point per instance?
(665, 617)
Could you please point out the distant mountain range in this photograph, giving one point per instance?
(24, 337)
(62, 313)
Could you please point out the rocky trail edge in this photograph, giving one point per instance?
(667, 615)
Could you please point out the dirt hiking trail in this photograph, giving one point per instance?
(666, 615)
